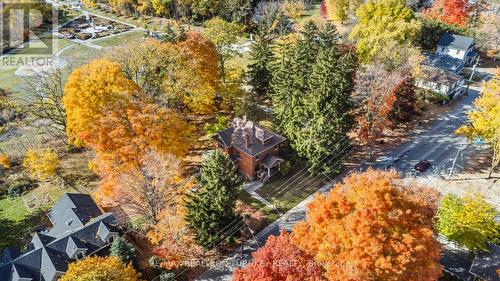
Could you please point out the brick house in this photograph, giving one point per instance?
(252, 148)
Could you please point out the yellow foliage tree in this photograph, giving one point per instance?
(188, 77)
(90, 92)
(41, 163)
(382, 23)
(484, 121)
(4, 160)
(100, 269)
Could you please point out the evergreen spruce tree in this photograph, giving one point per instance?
(122, 249)
(312, 82)
(211, 208)
(259, 72)
(323, 141)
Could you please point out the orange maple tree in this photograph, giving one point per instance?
(204, 53)
(449, 11)
(111, 115)
(280, 260)
(372, 227)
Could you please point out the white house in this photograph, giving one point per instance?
(441, 82)
(457, 46)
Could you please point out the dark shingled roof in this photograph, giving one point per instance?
(444, 62)
(455, 41)
(486, 264)
(225, 138)
(49, 253)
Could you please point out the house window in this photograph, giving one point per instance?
(80, 255)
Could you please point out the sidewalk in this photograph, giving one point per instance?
(243, 255)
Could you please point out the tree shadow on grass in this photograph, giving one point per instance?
(18, 233)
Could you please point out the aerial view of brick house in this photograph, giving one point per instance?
(252, 148)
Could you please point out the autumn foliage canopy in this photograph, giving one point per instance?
(280, 260)
(452, 12)
(372, 227)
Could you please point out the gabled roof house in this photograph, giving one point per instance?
(457, 46)
(252, 148)
(79, 229)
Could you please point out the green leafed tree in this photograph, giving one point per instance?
(122, 249)
(382, 23)
(469, 221)
(259, 72)
(224, 35)
(210, 209)
(312, 84)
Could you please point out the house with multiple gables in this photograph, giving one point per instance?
(252, 148)
(80, 228)
(457, 46)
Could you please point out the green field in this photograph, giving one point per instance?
(120, 39)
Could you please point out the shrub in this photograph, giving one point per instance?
(221, 123)
(19, 187)
(285, 168)
(4, 160)
(122, 249)
(41, 163)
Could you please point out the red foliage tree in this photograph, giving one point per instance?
(279, 260)
(404, 105)
(449, 12)
(322, 10)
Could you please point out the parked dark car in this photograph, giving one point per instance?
(422, 165)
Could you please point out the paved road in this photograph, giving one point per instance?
(438, 144)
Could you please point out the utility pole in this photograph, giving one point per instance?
(474, 69)
(455, 161)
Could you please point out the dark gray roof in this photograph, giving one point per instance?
(453, 41)
(486, 264)
(50, 252)
(72, 211)
(227, 139)
(444, 62)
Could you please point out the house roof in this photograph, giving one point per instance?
(229, 138)
(486, 264)
(440, 76)
(50, 252)
(444, 62)
(454, 41)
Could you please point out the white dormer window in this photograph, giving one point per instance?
(69, 222)
(111, 238)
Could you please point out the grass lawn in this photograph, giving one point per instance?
(240, 61)
(249, 200)
(120, 39)
(16, 222)
(287, 191)
(8, 80)
(80, 54)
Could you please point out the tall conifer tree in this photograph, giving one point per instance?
(260, 70)
(211, 208)
(312, 82)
